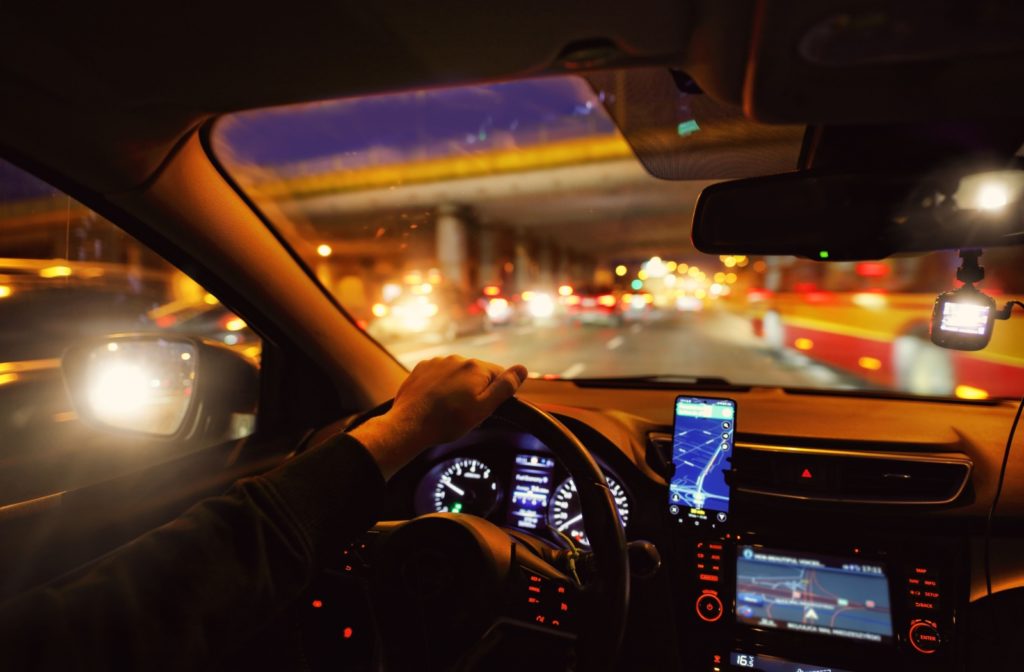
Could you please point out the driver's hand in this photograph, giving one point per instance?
(442, 399)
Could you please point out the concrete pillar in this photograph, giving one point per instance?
(488, 248)
(451, 246)
(522, 262)
(546, 264)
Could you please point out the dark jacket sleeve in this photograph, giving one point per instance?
(177, 596)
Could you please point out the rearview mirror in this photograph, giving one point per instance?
(160, 386)
(856, 216)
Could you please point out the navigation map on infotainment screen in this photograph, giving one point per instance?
(812, 593)
(702, 440)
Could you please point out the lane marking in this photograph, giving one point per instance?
(484, 340)
(615, 342)
(573, 371)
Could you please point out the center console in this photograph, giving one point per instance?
(791, 586)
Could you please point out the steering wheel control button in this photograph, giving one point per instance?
(547, 602)
(924, 637)
(709, 607)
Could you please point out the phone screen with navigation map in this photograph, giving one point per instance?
(702, 443)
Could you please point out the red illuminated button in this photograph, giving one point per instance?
(924, 637)
(806, 473)
(709, 577)
(709, 607)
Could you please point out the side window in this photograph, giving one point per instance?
(66, 275)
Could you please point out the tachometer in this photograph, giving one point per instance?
(566, 513)
(463, 485)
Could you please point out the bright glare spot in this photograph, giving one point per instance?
(729, 262)
(210, 299)
(671, 266)
(730, 278)
(231, 339)
(5, 291)
(870, 300)
(637, 285)
(540, 305)
(391, 291)
(621, 270)
(803, 344)
(719, 277)
(185, 356)
(55, 272)
(968, 392)
(669, 280)
(606, 300)
(565, 290)
(379, 310)
(870, 363)
(324, 250)
(119, 391)
(693, 271)
(8, 378)
(111, 347)
(235, 324)
(992, 197)
(642, 275)
(492, 290)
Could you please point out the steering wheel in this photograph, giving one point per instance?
(455, 591)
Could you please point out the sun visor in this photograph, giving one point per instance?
(679, 133)
(846, 62)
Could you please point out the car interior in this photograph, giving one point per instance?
(780, 436)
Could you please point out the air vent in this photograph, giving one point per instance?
(850, 475)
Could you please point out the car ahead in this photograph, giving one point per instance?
(290, 164)
(590, 305)
(443, 313)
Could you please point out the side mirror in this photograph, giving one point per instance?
(163, 386)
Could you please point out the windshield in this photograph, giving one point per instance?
(512, 222)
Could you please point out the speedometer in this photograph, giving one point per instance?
(566, 513)
(463, 485)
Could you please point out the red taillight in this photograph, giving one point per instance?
(166, 321)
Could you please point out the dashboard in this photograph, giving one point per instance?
(514, 481)
(830, 544)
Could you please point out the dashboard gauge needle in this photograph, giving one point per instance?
(561, 528)
(454, 488)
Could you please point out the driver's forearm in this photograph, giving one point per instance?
(178, 596)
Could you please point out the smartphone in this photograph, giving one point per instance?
(702, 444)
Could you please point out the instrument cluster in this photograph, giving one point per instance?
(519, 488)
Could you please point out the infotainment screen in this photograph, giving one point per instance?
(811, 593)
(702, 441)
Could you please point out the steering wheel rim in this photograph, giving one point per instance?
(598, 644)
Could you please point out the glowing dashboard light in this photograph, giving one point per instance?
(324, 250)
(621, 270)
(59, 271)
(565, 290)
(869, 363)
(492, 290)
(5, 291)
(235, 324)
(968, 392)
(379, 310)
(803, 344)
(607, 300)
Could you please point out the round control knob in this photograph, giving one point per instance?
(709, 607)
(924, 637)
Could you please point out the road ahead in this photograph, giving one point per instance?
(712, 343)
